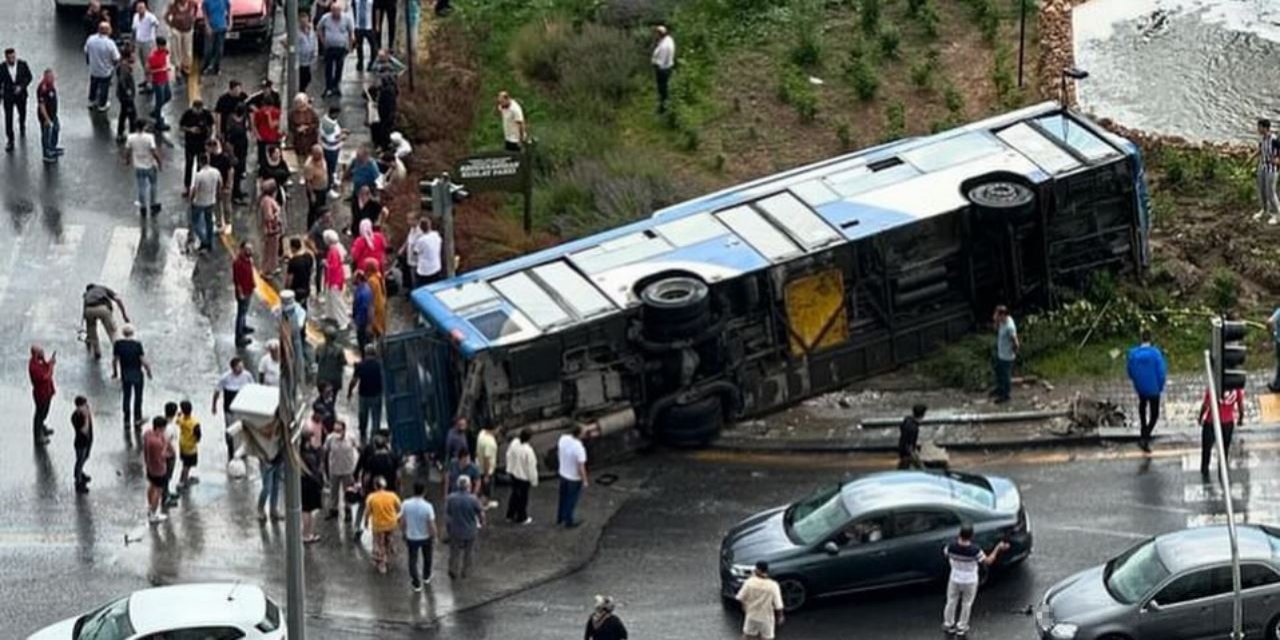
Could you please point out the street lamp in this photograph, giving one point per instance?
(1075, 73)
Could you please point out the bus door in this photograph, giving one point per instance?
(419, 380)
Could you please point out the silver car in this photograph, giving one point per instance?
(1175, 586)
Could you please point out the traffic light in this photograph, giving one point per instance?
(1228, 354)
(440, 194)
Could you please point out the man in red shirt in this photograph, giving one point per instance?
(41, 372)
(242, 274)
(1231, 412)
(266, 125)
(158, 70)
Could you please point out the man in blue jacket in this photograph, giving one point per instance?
(1147, 370)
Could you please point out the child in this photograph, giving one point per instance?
(188, 441)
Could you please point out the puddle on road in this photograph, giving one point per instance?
(1201, 69)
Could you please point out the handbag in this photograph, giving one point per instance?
(371, 111)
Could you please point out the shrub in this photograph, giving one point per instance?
(1224, 290)
(602, 63)
(942, 124)
(538, 48)
(922, 73)
(844, 136)
(600, 193)
(914, 7)
(989, 24)
(953, 99)
(890, 39)
(869, 16)
(862, 74)
(895, 121)
(807, 51)
(807, 24)
(632, 13)
(929, 20)
(794, 89)
(1002, 77)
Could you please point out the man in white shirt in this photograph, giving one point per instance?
(145, 27)
(228, 387)
(269, 365)
(426, 254)
(142, 153)
(206, 184)
(761, 600)
(101, 52)
(573, 475)
(664, 61)
(514, 130)
(522, 464)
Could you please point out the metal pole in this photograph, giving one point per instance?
(1224, 476)
(293, 533)
(445, 194)
(1022, 37)
(291, 52)
(411, 9)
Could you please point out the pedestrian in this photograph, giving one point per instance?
(298, 271)
(337, 35)
(386, 96)
(197, 128)
(224, 162)
(315, 174)
(341, 457)
(304, 125)
(384, 22)
(269, 364)
(385, 67)
(362, 314)
(418, 519)
(174, 434)
(573, 475)
(1007, 346)
(47, 112)
(362, 17)
(426, 247)
(126, 95)
(233, 97)
(14, 80)
(604, 624)
(459, 467)
(331, 138)
(145, 27)
(487, 459)
(124, 12)
(40, 371)
(244, 282)
(93, 16)
(664, 62)
(367, 376)
(377, 462)
(522, 464)
(159, 71)
(465, 517)
(99, 303)
(189, 435)
(762, 605)
(238, 139)
(909, 439)
(456, 441)
(965, 557)
(331, 360)
(82, 427)
(272, 472)
(312, 481)
(1147, 370)
(364, 175)
(272, 220)
(155, 450)
(206, 186)
(180, 16)
(366, 209)
(142, 152)
(295, 318)
(275, 169)
(217, 14)
(1268, 166)
(308, 50)
(377, 285)
(1231, 414)
(129, 364)
(102, 55)
(369, 245)
(515, 132)
(382, 517)
(266, 126)
(228, 387)
(335, 280)
(326, 405)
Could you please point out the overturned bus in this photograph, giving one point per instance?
(755, 297)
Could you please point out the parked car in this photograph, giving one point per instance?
(881, 530)
(207, 611)
(250, 20)
(1175, 586)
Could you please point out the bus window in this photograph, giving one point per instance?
(1074, 135)
(620, 251)
(814, 193)
(466, 295)
(1039, 149)
(573, 289)
(532, 300)
(762, 236)
(691, 230)
(952, 151)
(801, 221)
(495, 324)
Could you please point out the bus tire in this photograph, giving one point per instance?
(1000, 196)
(695, 424)
(675, 300)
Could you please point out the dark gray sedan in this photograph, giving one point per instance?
(1175, 586)
(881, 530)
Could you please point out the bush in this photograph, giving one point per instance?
(895, 121)
(922, 73)
(890, 39)
(600, 62)
(807, 24)
(602, 193)
(1224, 290)
(929, 20)
(869, 16)
(844, 136)
(632, 13)
(914, 7)
(863, 76)
(953, 99)
(794, 89)
(538, 48)
(963, 365)
(1002, 77)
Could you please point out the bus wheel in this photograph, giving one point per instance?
(692, 425)
(675, 301)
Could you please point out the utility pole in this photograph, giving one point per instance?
(1224, 364)
(445, 190)
(1022, 36)
(291, 51)
(411, 9)
(291, 416)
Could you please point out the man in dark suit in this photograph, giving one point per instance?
(15, 76)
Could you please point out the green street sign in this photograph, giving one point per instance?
(496, 171)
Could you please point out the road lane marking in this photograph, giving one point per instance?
(1250, 460)
(122, 249)
(1129, 535)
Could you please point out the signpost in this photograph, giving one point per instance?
(508, 171)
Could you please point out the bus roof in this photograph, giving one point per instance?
(758, 224)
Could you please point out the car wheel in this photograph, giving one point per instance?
(1273, 629)
(794, 593)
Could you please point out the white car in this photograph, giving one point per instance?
(211, 611)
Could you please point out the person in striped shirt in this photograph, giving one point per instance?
(1268, 166)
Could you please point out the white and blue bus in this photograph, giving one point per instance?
(755, 297)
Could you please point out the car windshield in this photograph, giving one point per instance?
(111, 622)
(815, 517)
(1134, 574)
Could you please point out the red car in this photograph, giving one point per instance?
(250, 20)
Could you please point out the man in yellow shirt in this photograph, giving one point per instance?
(487, 458)
(382, 516)
(188, 443)
(762, 603)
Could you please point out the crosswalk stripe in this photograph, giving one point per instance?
(121, 251)
(1245, 460)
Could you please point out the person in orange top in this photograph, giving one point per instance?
(40, 370)
(1231, 412)
(382, 516)
(378, 327)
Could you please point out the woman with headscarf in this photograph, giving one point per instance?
(365, 207)
(371, 245)
(304, 125)
(373, 274)
(272, 226)
(335, 280)
(604, 624)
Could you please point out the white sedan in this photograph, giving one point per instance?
(212, 611)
